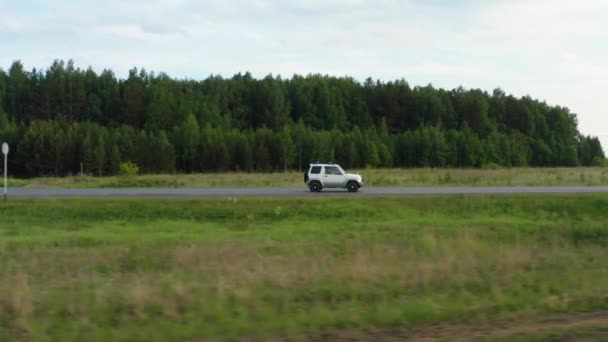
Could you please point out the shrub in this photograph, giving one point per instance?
(128, 169)
(491, 166)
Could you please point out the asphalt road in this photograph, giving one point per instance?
(303, 192)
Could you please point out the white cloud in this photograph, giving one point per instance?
(136, 32)
(604, 141)
(11, 25)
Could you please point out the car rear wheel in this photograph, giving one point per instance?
(352, 186)
(315, 187)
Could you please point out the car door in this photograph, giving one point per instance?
(333, 178)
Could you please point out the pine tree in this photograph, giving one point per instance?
(186, 139)
(165, 157)
(94, 150)
(285, 149)
(262, 158)
(115, 160)
(373, 159)
(141, 152)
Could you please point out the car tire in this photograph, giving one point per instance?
(315, 187)
(352, 186)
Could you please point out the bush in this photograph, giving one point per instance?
(491, 166)
(128, 169)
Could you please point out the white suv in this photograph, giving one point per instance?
(321, 176)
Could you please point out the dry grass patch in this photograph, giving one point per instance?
(583, 176)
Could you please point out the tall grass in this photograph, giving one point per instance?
(129, 270)
(584, 176)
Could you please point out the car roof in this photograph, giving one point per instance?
(323, 164)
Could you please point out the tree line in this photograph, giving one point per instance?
(63, 117)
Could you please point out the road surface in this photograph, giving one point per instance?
(302, 192)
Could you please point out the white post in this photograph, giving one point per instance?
(5, 174)
(5, 152)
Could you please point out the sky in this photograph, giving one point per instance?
(553, 50)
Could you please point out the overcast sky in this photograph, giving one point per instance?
(554, 50)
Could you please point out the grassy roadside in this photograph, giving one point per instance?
(151, 270)
(554, 327)
(584, 176)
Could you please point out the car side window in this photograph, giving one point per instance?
(332, 170)
(315, 170)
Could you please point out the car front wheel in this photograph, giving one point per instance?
(352, 186)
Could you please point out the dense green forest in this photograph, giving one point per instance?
(58, 118)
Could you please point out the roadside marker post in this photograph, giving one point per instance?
(5, 152)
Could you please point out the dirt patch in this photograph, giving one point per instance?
(574, 327)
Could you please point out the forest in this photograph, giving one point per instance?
(62, 118)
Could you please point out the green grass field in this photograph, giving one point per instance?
(156, 270)
(584, 176)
